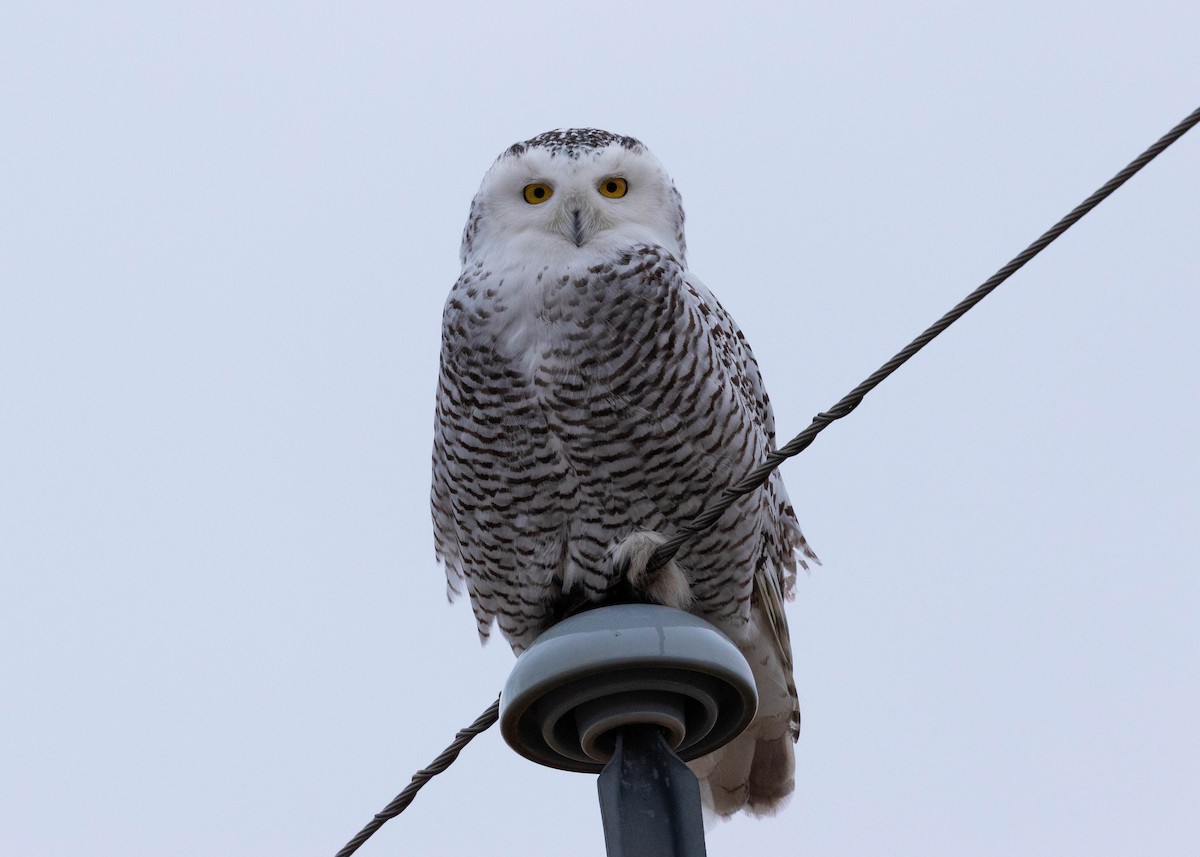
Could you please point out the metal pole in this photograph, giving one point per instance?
(649, 799)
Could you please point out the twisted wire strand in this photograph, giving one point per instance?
(795, 446)
(400, 803)
(707, 518)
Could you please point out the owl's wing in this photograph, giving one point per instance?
(750, 386)
(501, 496)
(748, 381)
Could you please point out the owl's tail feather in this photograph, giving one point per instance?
(752, 773)
(756, 772)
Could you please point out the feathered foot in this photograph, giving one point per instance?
(667, 585)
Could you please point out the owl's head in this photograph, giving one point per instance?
(573, 195)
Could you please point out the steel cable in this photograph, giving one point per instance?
(400, 803)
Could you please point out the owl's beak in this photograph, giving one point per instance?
(578, 231)
(577, 220)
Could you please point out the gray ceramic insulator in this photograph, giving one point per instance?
(623, 665)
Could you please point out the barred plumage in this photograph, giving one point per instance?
(593, 391)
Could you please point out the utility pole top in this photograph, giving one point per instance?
(631, 691)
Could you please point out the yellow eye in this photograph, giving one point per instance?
(614, 188)
(537, 193)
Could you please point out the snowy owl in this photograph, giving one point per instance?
(593, 395)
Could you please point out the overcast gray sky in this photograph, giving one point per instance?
(227, 233)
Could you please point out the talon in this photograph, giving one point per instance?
(666, 585)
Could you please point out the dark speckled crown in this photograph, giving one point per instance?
(574, 142)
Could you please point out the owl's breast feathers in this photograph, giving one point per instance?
(576, 405)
